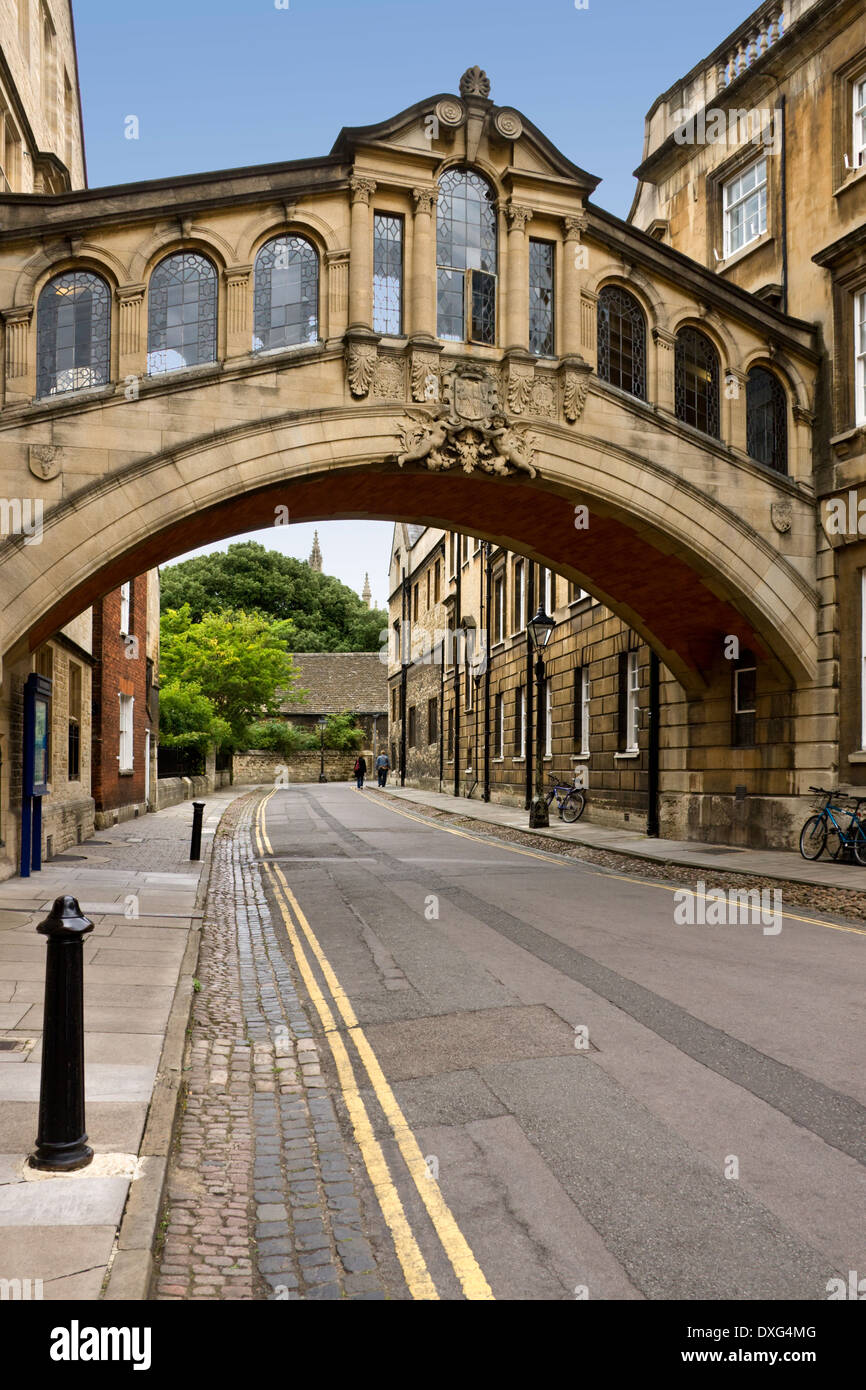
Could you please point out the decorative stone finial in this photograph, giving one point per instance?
(316, 554)
(367, 595)
(475, 83)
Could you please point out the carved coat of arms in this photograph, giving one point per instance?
(470, 433)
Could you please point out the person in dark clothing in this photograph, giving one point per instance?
(383, 767)
(360, 769)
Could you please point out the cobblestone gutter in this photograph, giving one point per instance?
(261, 1199)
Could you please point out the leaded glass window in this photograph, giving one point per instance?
(466, 258)
(767, 419)
(286, 294)
(73, 333)
(181, 313)
(696, 381)
(621, 341)
(387, 273)
(541, 336)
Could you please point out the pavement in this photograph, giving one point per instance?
(787, 865)
(136, 883)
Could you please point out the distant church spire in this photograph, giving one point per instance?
(367, 595)
(316, 554)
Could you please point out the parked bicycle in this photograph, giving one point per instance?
(569, 799)
(825, 830)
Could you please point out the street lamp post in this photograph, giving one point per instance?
(540, 629)
(322, 722)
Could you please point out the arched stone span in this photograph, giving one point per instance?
(678, 567)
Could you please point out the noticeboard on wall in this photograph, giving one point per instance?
(37, 735)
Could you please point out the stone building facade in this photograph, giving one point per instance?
(41, 137)
(337, 682)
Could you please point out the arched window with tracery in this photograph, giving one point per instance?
(466, 258)
(181, 313)
(73, 333)
(696, 381)
(286, 294)
(622, 341)
(767, 419)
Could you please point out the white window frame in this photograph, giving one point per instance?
(520, 720)
(730, 203)
(858, 121)
(125, 607)
(126, 735)
(584, 711)
(860, 358)
(499, 600)
(548, 719)
(519, 595)
(499, 715)
(632, 706)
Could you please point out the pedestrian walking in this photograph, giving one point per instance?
(360, 769)
(383, 767)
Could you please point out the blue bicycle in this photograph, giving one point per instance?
(824, 831)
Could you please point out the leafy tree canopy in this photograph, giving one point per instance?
(238, 661)
(188, 719)
(327, 616)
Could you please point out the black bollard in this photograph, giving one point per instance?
(197, 817)
(61, 1144)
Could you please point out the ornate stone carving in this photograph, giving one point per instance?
(518, 216)
(360, 367)
(362, 189)
(425, 199)
(470, 432)
(520, 378)
(782, 516)
(450, 112)
(574, 388)
(45, 461)
(542, 400)
(475, 83)
(17, 338)
(443, 443)
(508, 123)
(389, 381)
(425, 376)
(574, 227)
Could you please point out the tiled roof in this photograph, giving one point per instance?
(337, 681)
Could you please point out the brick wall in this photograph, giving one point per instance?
(121, 669)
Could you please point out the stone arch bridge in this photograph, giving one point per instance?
(371, 413)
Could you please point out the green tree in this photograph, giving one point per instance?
(188, 719)
(341, 732)
(327, 615)
(239, 661)
(279, 736)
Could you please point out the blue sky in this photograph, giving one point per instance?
(217, 84)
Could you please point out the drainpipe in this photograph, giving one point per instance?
(404, 674)
(783, 179)
(457, 664)
(530, 685)
(486, 630)
(441, 713)
(652, 820)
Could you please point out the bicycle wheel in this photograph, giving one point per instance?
(572, 808)
(813, 837)
(859, 843)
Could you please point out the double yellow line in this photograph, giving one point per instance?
(454, 1243)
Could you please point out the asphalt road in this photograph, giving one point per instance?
(611, 1105)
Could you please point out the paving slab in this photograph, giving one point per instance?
(112, 1126)
(104, 1082)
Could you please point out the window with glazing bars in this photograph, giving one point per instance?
(387, 273)
(181, 313)
(541, 324)
(466, 258)
(73, 332)
(767, 419)
(286, 295)
(621, 341)
(696, 381)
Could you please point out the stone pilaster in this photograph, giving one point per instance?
(361, 256)
(517, 282)
(20, 373)
(733, 411)
(239, 339)
(338, 293)
(423, 290)
(661, 390)
(131, 332)
(573, 277)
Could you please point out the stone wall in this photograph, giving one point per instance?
(170, 791)
(262, 766)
